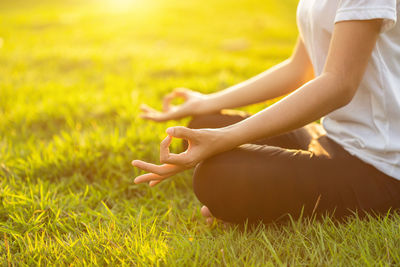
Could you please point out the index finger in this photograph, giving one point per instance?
(167, 100)
(182, 92)
(164, 148)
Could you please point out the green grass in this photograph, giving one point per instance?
(72, 75)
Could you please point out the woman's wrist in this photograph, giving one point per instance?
(225, 139)
(203, 106)
(237, 134)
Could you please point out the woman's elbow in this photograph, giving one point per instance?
(344, 89)
(346, 95)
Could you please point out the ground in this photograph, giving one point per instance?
(72, 76)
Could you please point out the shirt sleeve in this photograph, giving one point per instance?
(367, 10)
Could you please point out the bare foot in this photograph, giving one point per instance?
(205, 211)
(207, 215)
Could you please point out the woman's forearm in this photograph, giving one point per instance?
(272, 83)
(307, 104)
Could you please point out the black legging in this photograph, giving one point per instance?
(300, 172)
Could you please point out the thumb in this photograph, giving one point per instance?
(181, 132)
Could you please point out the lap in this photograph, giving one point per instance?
(249, 180)
(312, 174)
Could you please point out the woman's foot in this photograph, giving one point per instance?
(207, 215)
(210, 218)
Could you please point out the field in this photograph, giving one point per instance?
(72, 76)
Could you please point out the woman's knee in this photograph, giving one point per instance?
(203, 182)
(217, 120)
(196, 122)
(208, 181)
(204, 121)
(211, 186)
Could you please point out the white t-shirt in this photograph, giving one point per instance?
(369, 126)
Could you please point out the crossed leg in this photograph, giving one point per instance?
(300, 172)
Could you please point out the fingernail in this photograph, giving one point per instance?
(133, 162)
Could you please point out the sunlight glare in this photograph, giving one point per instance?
(124, 5)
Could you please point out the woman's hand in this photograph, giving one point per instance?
(203, 143)
(156, 173)
(191, 106)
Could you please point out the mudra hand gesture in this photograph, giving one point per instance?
(199, 148)
(192, 104)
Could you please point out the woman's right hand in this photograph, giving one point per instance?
(202, 144)
(191, 106)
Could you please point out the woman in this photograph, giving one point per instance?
(274, 163)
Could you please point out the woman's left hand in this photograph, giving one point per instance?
(202, 143)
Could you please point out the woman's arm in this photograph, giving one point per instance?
(276, 81)
(350, 49)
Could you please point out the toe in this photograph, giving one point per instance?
(205, 212)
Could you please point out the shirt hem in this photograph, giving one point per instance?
(384, 167)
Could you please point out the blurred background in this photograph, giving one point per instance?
(72, 76)
(74, 72)
(64, 62)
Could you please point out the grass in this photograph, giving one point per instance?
(72, 75)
